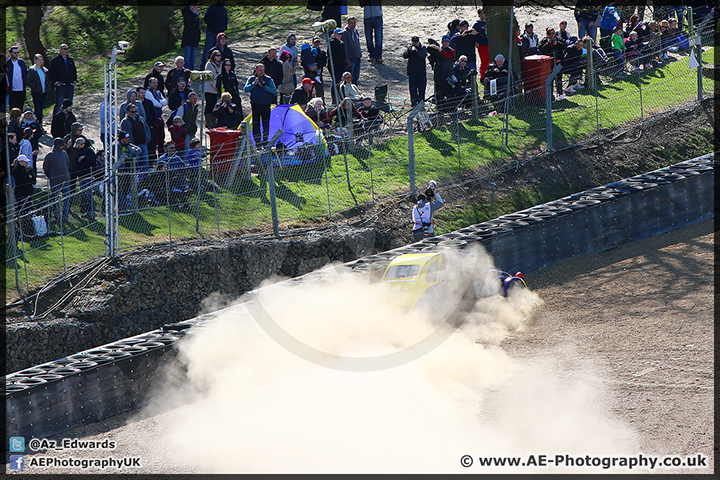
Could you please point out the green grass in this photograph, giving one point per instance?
(302, 192)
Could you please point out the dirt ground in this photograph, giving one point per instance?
(636, 320)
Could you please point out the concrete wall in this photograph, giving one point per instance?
(86, 387)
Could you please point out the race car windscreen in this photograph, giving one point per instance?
(402, 271)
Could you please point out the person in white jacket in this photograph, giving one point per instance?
(423, 210)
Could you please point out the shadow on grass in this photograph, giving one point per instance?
(445, 148)
(136, 223)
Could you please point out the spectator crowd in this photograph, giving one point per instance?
(158, 121)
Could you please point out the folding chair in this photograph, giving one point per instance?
(381, 98)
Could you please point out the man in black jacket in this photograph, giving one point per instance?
(63, 74)
(156, 72)
(63, 120)
(321, 58)
(553, 47)
(273, 67)
(177, 73)
(573, 63)
(339, 64)
(216, 21)
(416, 53)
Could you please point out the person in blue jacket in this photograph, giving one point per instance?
(262, 92)
(610, 19)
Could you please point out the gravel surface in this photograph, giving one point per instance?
(620, 354)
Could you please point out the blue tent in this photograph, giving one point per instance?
(301, 142)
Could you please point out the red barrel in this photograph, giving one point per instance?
(535, 70)
(223, 146)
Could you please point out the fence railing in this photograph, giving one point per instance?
(473, 137)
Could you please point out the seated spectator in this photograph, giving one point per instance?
(653, 45)
(228, 114)
(315, 110)
(303, 93)
(349, 89)
(177, 169)
(678, 41)
(462, 73)
(573, 64)
(194, 162)
(633, 51)
(529, 42)
(340, 114)
(499, 74)
(133, 100)
(665, 40)
(178, 133)
(371, 113)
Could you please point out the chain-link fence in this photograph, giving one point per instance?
(236, 187)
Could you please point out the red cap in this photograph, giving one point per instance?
(306, 80)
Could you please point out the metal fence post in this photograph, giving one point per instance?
(457, 130)
(167, 201)
(548, 106)
(474, 93)
(411, 144)
(271, 184)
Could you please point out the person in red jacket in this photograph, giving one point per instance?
(178, 132)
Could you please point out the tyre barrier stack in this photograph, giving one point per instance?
(119, 377)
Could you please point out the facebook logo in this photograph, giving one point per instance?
(17, 444)
(17, 462)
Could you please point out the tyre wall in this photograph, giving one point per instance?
(95, 384)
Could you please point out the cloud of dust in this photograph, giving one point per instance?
(260, 407)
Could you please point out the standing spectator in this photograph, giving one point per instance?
(286, 88)
(127, 154)
(158, 129)
(339, 59)
(353, 52)
(349, 89)
(552, 47)
(156, 72)
(139, 134)
(37, 82)
(332, 9)
(464, 43)
(500, 74)
(177, 73)
(262, 90)
(422, 212)
(442, 61)
(17, 77)
(176, 99)
(14, 121)
(82, 162)
(150, 119)
(24, 178)
(55, 167)
(373, 17)
(103, 122)
(563, 35)
(608, 21)
(453, 27)
(273, 67)
(228, 114)
(308, 61)
(64, 76)
(483, 48)
(36, 132)
(26, 147)
(586, 14)
(529, 42)
(321, 58)
(214, 65)
(133, 100)
(216, 21)
(190, 118)
(225, 51)
(291, 47)
(227, 82)
(416, 53)
(191, 32)
(63, 120)
(303, 93)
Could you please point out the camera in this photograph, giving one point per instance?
(429, 193)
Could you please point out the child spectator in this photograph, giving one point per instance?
(618, 47)
(633, 51)
(678, 41)
(178, 132)
(370, 111)
(307, 60)
(665, 39)
(194, 159)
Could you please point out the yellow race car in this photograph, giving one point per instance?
(436, 281)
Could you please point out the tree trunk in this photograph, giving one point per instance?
(499, 35)
(31, 32)
(154, 36)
